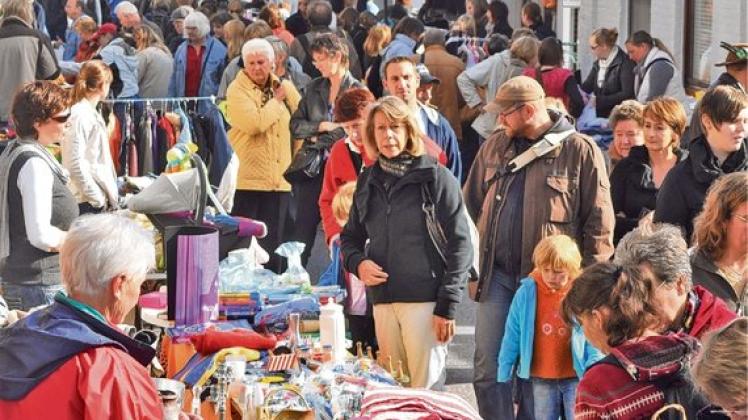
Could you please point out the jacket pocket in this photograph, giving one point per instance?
(561, 199)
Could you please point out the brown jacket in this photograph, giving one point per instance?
(566, 192)
(447, 98)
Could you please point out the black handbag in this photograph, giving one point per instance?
(306, 164)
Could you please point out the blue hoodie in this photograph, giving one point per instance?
(36, 346)
(519, 334)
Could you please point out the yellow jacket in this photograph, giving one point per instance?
(260, 135)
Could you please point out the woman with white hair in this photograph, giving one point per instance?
(69, 359)
(198, 62)
(259, 109)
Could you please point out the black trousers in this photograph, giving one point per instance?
(306, 213)
(270, 207)
(362, 330)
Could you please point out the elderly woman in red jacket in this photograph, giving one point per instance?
(69, 360)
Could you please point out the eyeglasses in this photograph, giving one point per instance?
(61, 118)
(506, 114)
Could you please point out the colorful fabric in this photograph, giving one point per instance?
(213, 340)
(552, 357)
(392, 403)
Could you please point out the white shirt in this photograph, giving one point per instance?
(35, 182)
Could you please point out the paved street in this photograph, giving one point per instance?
(460, 359)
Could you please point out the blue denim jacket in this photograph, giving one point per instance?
(520, 332)
(214, 61)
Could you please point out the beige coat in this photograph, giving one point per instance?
(447, 98)
(260, 135)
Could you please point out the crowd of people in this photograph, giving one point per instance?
(438, 150)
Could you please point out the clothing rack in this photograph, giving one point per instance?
(211, 98)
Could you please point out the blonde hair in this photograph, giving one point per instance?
(85, 24)
(669, 111)
(91, 78)
(21, 9)
(233, 33)
(146, 37)
(525, 48)
(605, 36)
(558, 252)
(379, 37)
(342, 202)
(721, 368)
(396, 111)
(710, 227)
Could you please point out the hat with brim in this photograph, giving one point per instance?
(425, 75)
(737, 54)
(517, 90)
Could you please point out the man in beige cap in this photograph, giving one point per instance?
(535, 176)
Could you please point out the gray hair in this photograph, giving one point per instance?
(199, 21)
(662, 246)
(279, 46)
(125, 7)
(21, 9)
(258, 45)
(100, 247)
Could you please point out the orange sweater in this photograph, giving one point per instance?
(551, 348)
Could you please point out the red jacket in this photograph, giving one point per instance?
(553, 82)
(711, 314)
(339, 170)
(99, 383)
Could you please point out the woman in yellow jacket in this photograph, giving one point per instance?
(259, 109)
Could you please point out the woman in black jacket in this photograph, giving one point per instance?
(312, 123)
(409, 285)
(611, 79)
(637, 178)
(722, 149)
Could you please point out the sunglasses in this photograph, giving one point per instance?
(61, 118)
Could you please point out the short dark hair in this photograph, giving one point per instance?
(497, 43)
(723, 104)
(319, 13)
(533, 12)
(220, 18)
(352, 103)
(398, 59)
(37, 102)
(329, 43)
(410, 26)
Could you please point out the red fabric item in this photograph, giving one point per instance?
(115, 141)
(551, 354)
(194, 70)
(171, 138)
(711, 314)
(553, 82)
(86, 51)
(434, 150)
(607, 391)
(338, 171)
(100, 383)
(212, 340)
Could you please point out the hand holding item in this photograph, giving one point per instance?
(443, 328)
(279, 93)
(371, 274)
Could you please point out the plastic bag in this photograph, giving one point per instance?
(295, 275)
(242, 271)
(274, 319)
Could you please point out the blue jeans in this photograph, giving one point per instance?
(495, 398)
(27, 297)
(549, 394)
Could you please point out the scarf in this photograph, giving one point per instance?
(396, 166)
(604, 64)
(14, 149)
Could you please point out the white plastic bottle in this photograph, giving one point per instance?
(332, 329)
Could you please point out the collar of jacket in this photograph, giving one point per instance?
(435, 47)
(405, 39)
(246, 81)
(423, 171)
(561, 122)
(431, 113)
(14, 20)
(641, 166)
(726, 79)
(705, 166)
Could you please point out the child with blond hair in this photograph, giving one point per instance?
(537, 341)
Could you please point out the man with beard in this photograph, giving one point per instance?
(533, 177)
